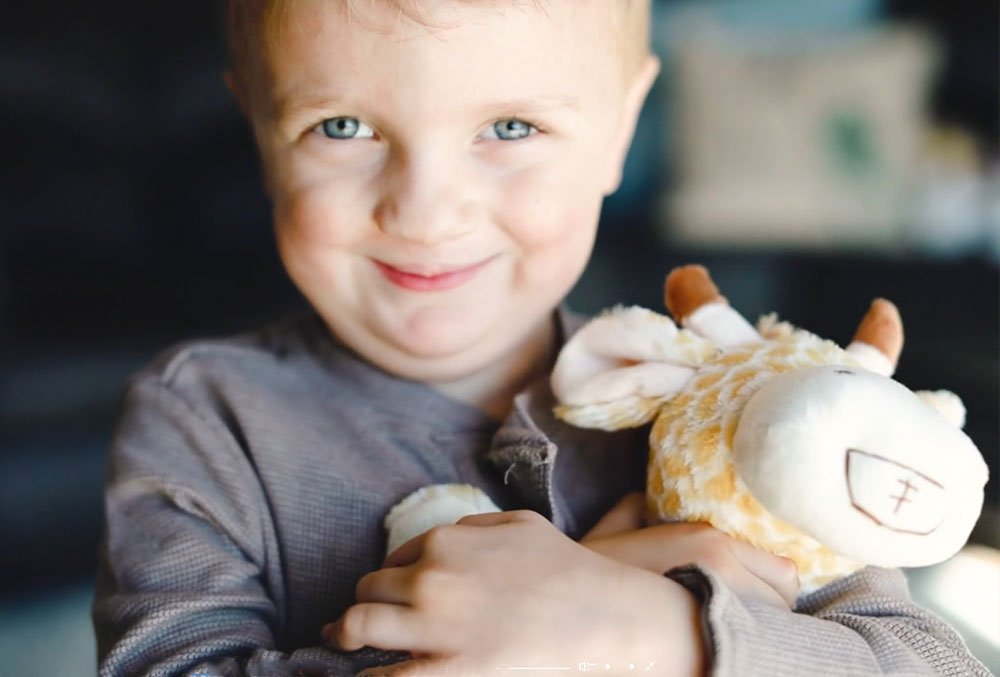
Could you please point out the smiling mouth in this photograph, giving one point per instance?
(893, 495)
(443, 281)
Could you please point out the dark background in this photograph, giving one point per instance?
(131, 217)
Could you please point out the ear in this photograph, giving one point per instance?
(635, 96)
(946, 403)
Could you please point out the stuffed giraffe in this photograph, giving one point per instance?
(776, 436)
(770, 434)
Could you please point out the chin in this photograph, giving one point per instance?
(430, 366)
(441, 350)
(434, 334)
(443, 356)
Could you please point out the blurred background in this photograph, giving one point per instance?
(812, 154)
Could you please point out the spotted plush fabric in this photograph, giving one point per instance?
(691, 475)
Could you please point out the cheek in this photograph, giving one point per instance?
(317, 216)
(314, 227)
(546, 214)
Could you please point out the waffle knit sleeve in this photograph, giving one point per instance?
(189, 577)
(862, 625)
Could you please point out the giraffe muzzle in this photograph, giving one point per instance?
(894, 495)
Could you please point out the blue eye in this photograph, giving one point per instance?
(511, 129)
(345, 127)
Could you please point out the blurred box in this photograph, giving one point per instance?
(802, 140)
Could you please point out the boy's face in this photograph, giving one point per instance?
(437, 189)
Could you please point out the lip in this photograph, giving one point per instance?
(449, 278)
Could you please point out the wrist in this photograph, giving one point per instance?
(669, 633)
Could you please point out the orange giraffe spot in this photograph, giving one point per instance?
(801, 559)
(784, 529)
(678, 405)
(749, 506)
(784, 349)
(755, 533)
(674, 465)
(729, 432)
(722, 487)
(708, 380)
(706, 444)
(671, 503)
(655, 482)
(661, 427)
(733, 359)
(707, 405)
(740, 380)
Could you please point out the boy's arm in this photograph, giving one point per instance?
(187, 582)
(511, 579)
(864, 624)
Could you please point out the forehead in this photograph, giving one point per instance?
(452, 48)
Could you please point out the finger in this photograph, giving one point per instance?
(389, 586)
(408, 553)
(383, 626)
(411, 551)
(748, 570)
(492, 519)
(416, 667)
(626, 515)
(779, 573)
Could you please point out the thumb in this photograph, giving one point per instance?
(415, 667)
(627, 515)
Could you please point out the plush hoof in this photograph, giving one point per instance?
(433, 506)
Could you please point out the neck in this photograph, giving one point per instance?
(492, 388)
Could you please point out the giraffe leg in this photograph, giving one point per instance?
(696, 304)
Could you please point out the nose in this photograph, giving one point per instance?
(426, 198)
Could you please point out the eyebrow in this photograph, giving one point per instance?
(292, 114)
(542, 103)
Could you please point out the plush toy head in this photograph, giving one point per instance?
(777, 436)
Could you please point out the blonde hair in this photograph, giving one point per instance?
(253, 24)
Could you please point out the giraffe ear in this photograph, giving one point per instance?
(627, 412)
(628, 352)
(946, 403)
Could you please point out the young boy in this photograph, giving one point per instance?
(436, 170)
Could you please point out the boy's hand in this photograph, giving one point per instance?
(751, 573)
(504, 590)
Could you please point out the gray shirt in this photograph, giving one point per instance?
(249, 478)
